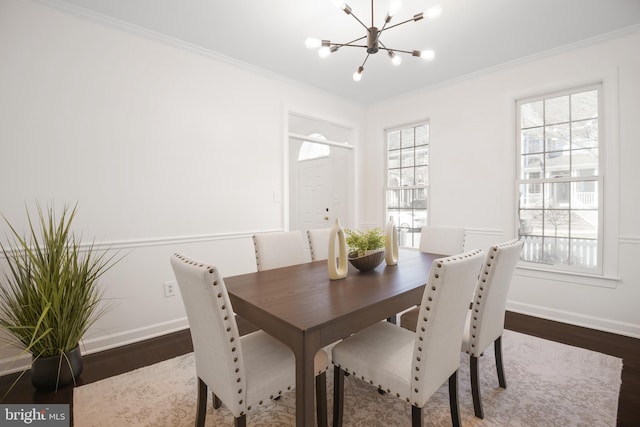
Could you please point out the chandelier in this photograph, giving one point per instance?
(373, 34)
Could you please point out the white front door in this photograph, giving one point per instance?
(315, 193)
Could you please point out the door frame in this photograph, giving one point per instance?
(288, 162)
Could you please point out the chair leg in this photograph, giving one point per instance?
(497, 345)
(201, 408)
(453, 400)
(338, 396)
(217, 403)
(241, 421)
(475, 387)
(416, 417)
(321, 399)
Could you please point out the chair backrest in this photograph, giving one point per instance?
(443, 310)
(280, 249)
(490, 299)
(319, 243)
(442, 240)
(214, 332)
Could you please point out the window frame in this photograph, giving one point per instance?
(419, 187)
(603, 142)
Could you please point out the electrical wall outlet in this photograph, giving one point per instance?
(170, 288)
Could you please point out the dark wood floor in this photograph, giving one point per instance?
(123, 359)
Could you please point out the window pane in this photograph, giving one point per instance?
(422, 175)
(584, 162)
(531, 165)
(407, 138)
(407, 176)
(422, 135)
(556, 195)
(584, 105)
(585, 195)
(532, 140)
(530, 196)
(556, 222)
(584, 224)
(393, 199)
(557, 137)
(557, 164)
(422, 155)
(584, 253)
(394, 159)
(394, 177)
(584, 134)
(393, 140)
(556, 110)
(556, 251)
(407, 158)
(531, 114)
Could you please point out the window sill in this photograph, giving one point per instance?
(601, 281)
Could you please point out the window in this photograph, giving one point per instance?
(407, 181)
(313, 150)
(560, 179)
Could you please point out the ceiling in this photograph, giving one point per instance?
(469, 36)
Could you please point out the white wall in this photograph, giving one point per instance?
(473, 172)
(164, 149)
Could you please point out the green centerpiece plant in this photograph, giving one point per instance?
(366, 248)
(49, 295)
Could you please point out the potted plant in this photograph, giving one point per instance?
(366, 248)
(49, 295)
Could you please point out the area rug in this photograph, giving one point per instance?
(549, 384)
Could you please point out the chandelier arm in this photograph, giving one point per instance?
(398, 24)
(365, 60)
(396, 50)
(358, 19)
(349, 43)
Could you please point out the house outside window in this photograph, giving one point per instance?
(407, 181)
(560, 180)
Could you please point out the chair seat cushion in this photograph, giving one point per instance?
(386, 347)
(270, 367)
(269, 362)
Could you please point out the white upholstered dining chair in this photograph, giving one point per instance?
(485, 320)
(242, 372)
(319, 243)
(440, 240)
(280, 249)
(413, 365)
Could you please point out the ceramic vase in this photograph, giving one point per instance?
(391, 243)
(337, 263)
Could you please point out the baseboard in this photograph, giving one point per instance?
(21, 362)
(107, 342)
(597, 323)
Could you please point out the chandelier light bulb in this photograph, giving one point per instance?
(312, 43)
(324, 51)
(427, 55)
(394, 7)
(358, 74)
(395, 59)
(433, 12)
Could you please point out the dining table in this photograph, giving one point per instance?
(302, 307)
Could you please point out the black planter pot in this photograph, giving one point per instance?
(45, 370)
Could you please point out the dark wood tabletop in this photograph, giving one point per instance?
(300, 306)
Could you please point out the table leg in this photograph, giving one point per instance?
(305, 381)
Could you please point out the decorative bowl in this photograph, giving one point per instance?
(369, 261)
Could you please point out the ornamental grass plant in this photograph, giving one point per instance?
(49, 296)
